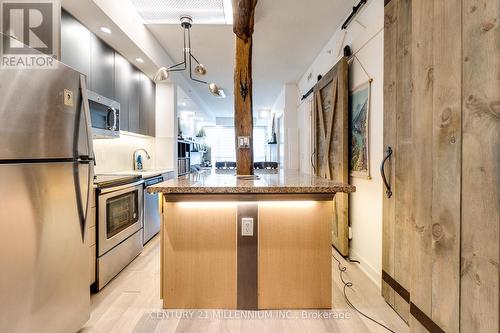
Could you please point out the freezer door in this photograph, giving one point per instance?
(44, 261)
(40, 111)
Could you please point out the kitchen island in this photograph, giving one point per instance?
(240, 243)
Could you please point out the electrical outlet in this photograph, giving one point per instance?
(247, 226)
(243, 142)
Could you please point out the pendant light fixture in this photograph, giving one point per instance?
(163, 73)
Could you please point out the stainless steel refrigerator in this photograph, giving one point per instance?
(46, 170)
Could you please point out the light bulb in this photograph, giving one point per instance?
(200, 70)
(161, 75)
(214, 89)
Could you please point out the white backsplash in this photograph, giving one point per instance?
(117, 154)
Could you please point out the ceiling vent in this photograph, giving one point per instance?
(169, 11)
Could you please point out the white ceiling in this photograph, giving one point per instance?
(186, 103)
(288, 36)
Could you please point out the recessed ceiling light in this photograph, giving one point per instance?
(106, 30)
(139, 60)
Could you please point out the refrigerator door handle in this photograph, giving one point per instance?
(86, 114)
(83, 206)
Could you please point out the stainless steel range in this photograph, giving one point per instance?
(120, 201)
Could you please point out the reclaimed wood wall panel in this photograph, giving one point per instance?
(331, 142)
(479, 311)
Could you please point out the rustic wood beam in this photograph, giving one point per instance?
(243, 23)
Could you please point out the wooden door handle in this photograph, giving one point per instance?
(388, 154)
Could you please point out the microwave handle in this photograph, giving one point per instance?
(115, 116)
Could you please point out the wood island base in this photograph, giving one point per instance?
(214, 257)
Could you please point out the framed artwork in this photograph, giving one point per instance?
(359, 115)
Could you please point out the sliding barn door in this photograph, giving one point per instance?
(331, 145)
(399, 162)
(441, 123)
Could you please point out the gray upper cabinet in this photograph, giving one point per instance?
(111, 75)
(147, 106)
(133, 103)
(102, 68)
(75, 44)
(123, 89)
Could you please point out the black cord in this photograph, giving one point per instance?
(349, 284)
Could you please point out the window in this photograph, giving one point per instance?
(221, 140)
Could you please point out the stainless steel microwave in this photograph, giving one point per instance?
(104, 115)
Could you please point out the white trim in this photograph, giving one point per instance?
(369, 270)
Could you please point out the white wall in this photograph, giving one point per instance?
(166, 125)
(304, 124)
(285, 106)
(365, 37)
(279, 109)
(117, 154)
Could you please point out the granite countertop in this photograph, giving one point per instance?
(276, 182)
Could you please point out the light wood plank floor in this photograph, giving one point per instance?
(131, 303)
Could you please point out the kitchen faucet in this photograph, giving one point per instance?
(138, 158)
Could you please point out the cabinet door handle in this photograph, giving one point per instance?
(388, 154)
(312, 161)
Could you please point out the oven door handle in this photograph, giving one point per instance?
(121, 187)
